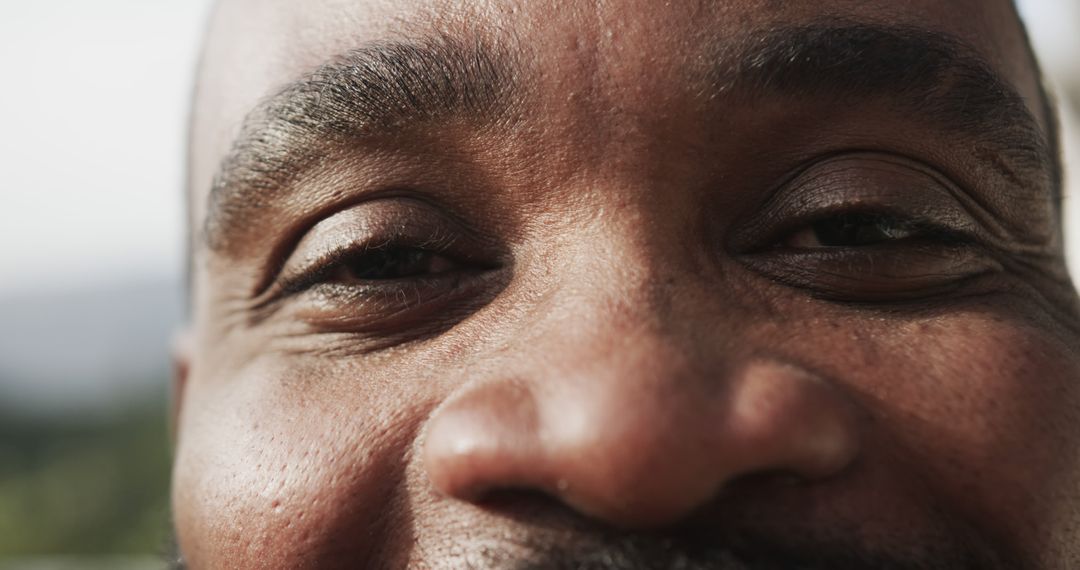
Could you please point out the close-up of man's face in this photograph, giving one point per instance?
(622, 284)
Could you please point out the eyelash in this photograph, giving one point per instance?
(319, 271)
(920, 229)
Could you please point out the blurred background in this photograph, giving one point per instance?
(93, 111)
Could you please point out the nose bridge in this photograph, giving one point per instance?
(621, 287)
(624, 337)
(623, 366)
(612, 328)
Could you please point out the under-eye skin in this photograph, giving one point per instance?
(867, 227)
(384, 267)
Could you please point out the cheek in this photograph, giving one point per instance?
(987, 410)
(288, 467)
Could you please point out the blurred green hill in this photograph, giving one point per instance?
(84, 485)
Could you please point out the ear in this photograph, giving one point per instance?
(182, 350)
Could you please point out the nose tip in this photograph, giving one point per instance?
(486, 440)
(638, 458)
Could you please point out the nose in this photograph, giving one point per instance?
(638, 437)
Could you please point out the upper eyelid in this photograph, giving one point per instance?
(389, 214)
(426, 205)
(290, 284)
(823, 187)
(864, 160)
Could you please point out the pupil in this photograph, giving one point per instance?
(390, 264)
(851, 230)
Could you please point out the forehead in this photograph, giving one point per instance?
(255, 47)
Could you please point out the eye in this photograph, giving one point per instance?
(870, 228)
(389, 263)
(385, 272)
(851, 230)
(391, 289)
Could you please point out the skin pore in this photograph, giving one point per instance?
(626, 284)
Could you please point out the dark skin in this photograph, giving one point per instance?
(626, 285)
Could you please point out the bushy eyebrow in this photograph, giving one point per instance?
(933, 77)
(392, 87)
(376, 91)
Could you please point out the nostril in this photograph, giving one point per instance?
(538, 509)
(519, 503)
(483, 441)
(764, 480)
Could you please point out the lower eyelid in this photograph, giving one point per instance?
(401, 306)
(875, 273)
(361, 308)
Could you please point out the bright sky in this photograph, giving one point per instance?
(93, 111)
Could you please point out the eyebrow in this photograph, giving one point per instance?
(391, 87)
(935, 77)
(379, 90)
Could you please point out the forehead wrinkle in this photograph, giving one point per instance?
(376, 91)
